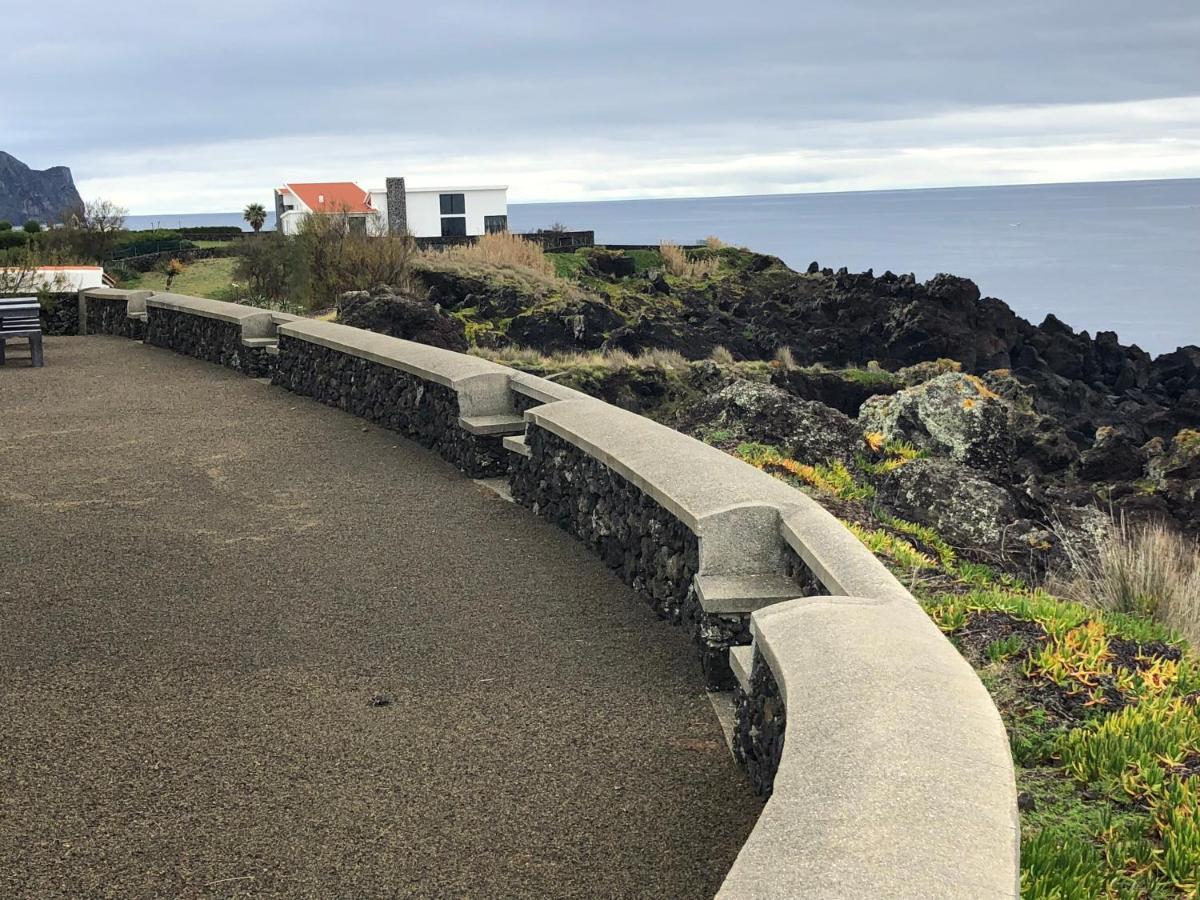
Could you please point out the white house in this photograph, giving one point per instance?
(59, 279)
(423, 212)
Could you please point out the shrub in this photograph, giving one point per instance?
(211, 233)
(677, 262)
(721, 356)
(5, 225)
(712, 242)
(337, 258)
(1146, 570)
(10, 239)
(274, 268)
(32, 227)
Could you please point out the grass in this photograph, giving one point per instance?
(1145, 570)
(539, 363)
(681, 264)
(211, 278)
(503, 251)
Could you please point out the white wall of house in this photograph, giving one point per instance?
(289, 222)
(425, 212)
(52, 278)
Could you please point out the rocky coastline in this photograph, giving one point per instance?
(1023, 437)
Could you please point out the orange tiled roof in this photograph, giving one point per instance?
(333, 196)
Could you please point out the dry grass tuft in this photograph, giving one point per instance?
(502, 250)
(676, 261)
(783, 356)
(712, 242)
(525, 358)
(1145, 570)
(721, 356)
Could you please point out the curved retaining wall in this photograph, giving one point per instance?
(885, 760)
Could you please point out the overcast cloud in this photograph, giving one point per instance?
(206, 107)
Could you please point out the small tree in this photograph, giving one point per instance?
(256, 215)
(90, 229)
(32, 227)
(5, 225)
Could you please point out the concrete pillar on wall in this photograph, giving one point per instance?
(397, 206)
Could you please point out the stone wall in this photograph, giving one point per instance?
(60, 313)
(213, 340)
(412, 406)
(105, 316)
(646, 545)
(761, 720)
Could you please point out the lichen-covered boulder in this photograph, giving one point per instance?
(1178, 461)
(803, 429)
(953, 415)
(962, 506)
(387, 311)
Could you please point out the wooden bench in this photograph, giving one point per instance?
(19, 318)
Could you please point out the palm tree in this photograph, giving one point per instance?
(255, 215)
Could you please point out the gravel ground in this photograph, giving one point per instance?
(205, 581)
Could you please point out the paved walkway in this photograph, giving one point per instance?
(205, 580)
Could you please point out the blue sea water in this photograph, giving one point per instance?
(1117, 256)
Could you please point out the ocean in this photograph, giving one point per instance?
(1115, 256)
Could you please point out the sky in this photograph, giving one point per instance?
(167, 108)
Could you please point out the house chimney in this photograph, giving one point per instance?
(397, 206)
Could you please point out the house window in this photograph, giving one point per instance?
(454, 226)
(494, 224)
(454, 204)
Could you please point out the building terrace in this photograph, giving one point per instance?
(259, 642)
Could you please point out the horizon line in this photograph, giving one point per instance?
(897, 190)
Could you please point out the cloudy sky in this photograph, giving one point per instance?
(206, 107)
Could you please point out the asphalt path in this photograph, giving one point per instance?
(253, 646)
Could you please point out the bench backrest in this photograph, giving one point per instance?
(19, 315)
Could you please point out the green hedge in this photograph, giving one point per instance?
(212, 233)
(144, 247)
(10, 239)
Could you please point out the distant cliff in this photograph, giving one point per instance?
(27, 193)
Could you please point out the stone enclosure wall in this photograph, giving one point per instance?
(419, 409)
(111, 316)
(646, 545)
(212, 340)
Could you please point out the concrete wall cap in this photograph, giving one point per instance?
(135, 301)
(254, 322)
(111, 293)
(543, 389)
(482, 386)
(690, 479)
(896, 778)
(837, 557)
